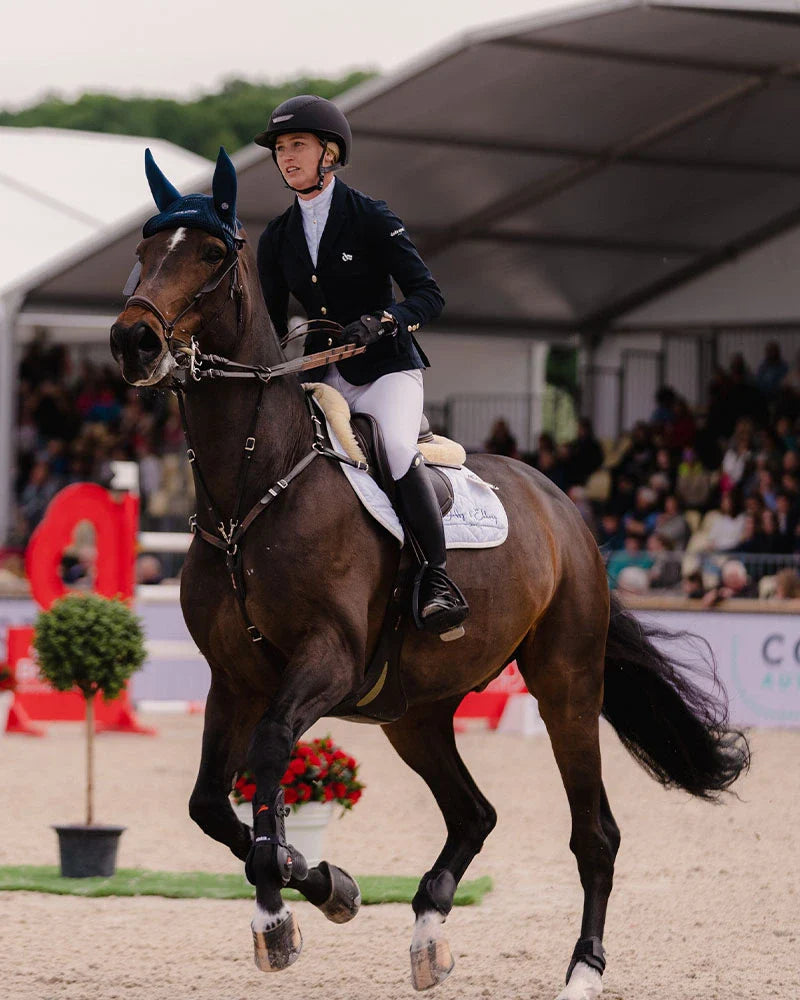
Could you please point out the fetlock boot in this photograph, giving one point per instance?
(442, 607)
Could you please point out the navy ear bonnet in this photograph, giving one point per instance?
(214, 213)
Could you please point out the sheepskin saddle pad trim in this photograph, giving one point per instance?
(439, 451)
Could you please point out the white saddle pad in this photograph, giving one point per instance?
(477, 519)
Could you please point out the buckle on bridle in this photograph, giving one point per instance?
(254, 634)
(250, 444)
(274, 491)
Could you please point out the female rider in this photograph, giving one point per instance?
(336, 251)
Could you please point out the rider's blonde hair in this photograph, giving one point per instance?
(333, 149)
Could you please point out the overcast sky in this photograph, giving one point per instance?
(184, 47)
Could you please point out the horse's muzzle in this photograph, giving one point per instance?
(137, 349)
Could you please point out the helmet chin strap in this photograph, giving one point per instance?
(321, 171)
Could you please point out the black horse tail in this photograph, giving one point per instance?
(674, 724)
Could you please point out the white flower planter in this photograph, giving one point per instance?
(6, 697)
(305, 827)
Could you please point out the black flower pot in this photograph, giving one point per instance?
(88, 851)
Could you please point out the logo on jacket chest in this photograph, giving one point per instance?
(346, 256)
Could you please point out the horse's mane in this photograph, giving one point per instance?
(257, 316)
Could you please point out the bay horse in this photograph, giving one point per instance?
(319, 571)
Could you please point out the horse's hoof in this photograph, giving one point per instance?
(345, 898)
(585, 983)
(431, 964)
(277, 947)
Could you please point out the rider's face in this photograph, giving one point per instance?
(297, 155)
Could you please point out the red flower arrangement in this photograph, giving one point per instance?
(318, 771)
(7, 680)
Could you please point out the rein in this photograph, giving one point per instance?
(214, 366)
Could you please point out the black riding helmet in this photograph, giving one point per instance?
(309, 113)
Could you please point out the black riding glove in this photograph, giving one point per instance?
(369, 329)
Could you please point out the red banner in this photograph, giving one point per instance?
(35, 695)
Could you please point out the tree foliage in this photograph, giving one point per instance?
(229, 118)
(89, 642)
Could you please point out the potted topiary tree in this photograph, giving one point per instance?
(94, 644)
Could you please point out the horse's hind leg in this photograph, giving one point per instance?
(424, 739)
(563, 666)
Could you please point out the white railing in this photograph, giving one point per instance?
(165, 541)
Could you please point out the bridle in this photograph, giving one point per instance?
(200, 366)
(230, 265)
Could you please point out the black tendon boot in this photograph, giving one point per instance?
(442, 606)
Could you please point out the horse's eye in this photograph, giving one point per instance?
(213, 255)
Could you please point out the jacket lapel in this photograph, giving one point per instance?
(335, 221)
(296, 236)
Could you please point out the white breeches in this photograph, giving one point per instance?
(395, 401)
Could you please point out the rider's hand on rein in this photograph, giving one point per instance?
(369, 329)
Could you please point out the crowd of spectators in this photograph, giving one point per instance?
(73, 422)
(705, 504)
(702, 504)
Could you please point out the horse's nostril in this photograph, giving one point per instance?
(149, 341)
(116, 340)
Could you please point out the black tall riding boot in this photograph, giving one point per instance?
(442, 606)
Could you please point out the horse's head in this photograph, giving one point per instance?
(186, 278)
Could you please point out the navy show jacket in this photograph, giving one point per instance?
(363, 246)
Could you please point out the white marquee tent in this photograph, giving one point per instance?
(60, 193)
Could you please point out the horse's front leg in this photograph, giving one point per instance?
(318, 676)
(210, 805)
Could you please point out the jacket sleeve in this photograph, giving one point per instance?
(423, 300)
(273, 285)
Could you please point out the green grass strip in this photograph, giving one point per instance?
(201, 885)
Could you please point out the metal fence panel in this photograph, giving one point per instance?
(471, 418)
(642, 374)
(682, 367)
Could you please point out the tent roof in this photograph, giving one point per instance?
(561, 172)
(49, 214)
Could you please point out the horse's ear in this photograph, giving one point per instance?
(223, 187)
(164, 193)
